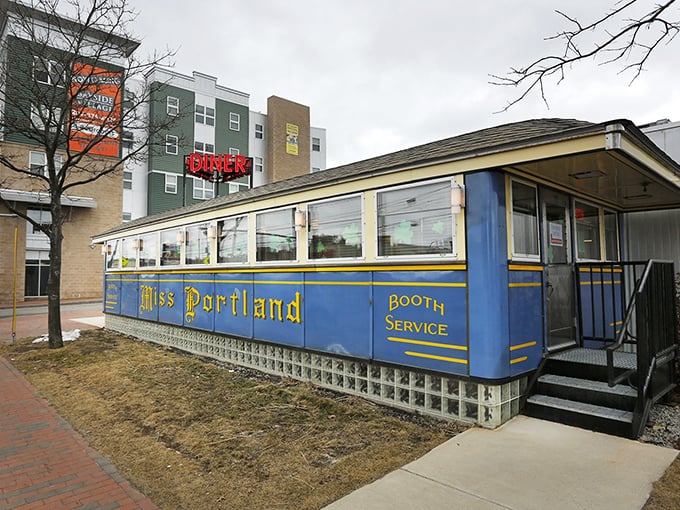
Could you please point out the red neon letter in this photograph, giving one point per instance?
(240, 164)
(195, 161)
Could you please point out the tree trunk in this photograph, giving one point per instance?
(54, 279)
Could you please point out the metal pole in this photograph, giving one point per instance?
(14, 293)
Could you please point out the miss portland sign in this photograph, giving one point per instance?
(217, 167)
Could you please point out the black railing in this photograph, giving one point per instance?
(632, 303)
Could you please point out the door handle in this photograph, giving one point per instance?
(550, 288)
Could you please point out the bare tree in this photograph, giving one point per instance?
(628, 34)
(65, 72)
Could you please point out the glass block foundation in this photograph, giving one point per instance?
(441, 396)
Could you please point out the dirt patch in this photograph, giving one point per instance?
(192, 434)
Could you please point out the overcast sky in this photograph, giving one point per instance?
(383, 75)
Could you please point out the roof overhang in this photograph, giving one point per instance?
(34, 197)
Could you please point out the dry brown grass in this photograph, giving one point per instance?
(191, 434)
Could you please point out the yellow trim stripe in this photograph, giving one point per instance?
(516, 267)
(419, 284)
(282, 282)
(525, 284)
(522, 346)
(432, 356)
(599, 270)
(329, 269)
(429, 344)
(616, 282)
(615, 323)
(518, 360)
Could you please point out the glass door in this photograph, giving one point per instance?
(559, 270)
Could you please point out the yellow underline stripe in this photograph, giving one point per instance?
(615, 323)
(615, 282)
(598, 270)
(329, 269)
(430, 344)
(525, 284)
(432, 356)
(522, 346)
(418, 284)
(518, 360)
(515, 267)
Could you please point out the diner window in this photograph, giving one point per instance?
(316, 144)
(232, 240)
(205, 115)
(148, 250)
(416, 220)
(335, 229)
(524, 221)
(259, 131)
(172, 105)
(170, 246)
(587, 221)
(234, 121)
(129, 253)
(203, 190)
(113, 254)
(171, 184)
(197, 244)
(171, 142)
(611, 236)
(276, 236)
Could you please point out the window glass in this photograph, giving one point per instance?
(129, 254)
(148, 250)
(232, 244)
(113, 254)
(171, 183)
(524, 221)
(203, 190)
(172, 105)
(316, 144)
(171, 144)
(611, 236)
(276, 239)
(259, 131)
(587, 231)
(170, 247)
(234, 121)
(416, 220)
(335, 229)
(197, 244)
(127, 179)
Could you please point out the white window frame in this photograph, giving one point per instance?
(234, 121)
(204, 115)
(234, 151)
(259, 131)
(426, 256)
(201, 192)
(600, 229)
(169, 184)
(171, 147)
(127, 179)
(362, 221)
(172, 105)
(50, 71)
(204, 148)
(40, 167)
(316, 144)
(526, 257)
(297, 238)
(258, 164)
(38, 113)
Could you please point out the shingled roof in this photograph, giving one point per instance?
(484, 141)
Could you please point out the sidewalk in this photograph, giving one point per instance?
(45, 464)
(527, 464)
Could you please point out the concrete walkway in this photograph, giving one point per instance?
(526, 464)
(45, 464)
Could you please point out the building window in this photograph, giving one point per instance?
(205, 115)
(236, 187)
(148, 250)
(315, 169)
(172, 105)
(198, 244)
(129, 100)
(127, 217)
(37, 163)
(127, 179)
(611, 236)
(127, 139)
(204, 148)
(203, 190)
(275, 235)
(235, 121)
(524, 221)
(232, 244)
(258, 163)
(48, 72)
(316, 144)
(335, 229)
(171, 142)
(259, 131)
(234, 152)
(39, 115)
(171, 184)
(416, 220)
(587, 221)
(170, 247)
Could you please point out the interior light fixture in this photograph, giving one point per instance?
(212, 232)
(300, 220)
(181, 237)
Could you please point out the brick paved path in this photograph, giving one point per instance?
(45, 464)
